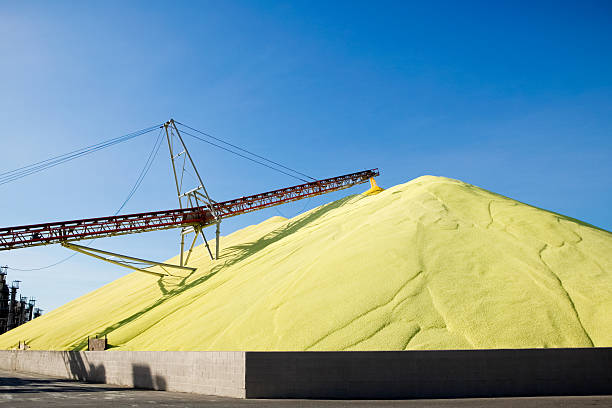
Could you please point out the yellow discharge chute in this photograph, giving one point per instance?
(374, 189)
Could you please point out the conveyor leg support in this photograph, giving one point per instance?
(206, 243)
(218, 234)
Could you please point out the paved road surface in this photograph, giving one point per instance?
(34, 391)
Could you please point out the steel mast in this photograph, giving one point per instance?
(188, 195)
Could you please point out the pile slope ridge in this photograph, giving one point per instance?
(434, 263)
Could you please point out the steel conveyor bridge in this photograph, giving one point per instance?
(76, 230)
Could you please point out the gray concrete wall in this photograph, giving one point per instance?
(429, 374)
(212, 373)
(352, 375)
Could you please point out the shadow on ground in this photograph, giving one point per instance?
(21, 385)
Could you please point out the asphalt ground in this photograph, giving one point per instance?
(34, 391)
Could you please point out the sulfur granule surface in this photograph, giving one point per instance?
(434, 263)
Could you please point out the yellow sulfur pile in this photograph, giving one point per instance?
(431, 264)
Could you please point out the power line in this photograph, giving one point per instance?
(44, 267)
(24, 171)
(141, 176)
(245, 151)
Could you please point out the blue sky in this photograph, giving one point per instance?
(515, 97)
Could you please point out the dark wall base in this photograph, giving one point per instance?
(429, 374)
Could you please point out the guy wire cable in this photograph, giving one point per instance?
(245, 157)
(12, 175)
(244, 150)
(143, 173)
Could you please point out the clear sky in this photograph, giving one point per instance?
(515, 97)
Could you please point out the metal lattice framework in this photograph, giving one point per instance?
(196, 211)
(198, 217)
(189, 196)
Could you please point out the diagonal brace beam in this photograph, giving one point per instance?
(98, 254)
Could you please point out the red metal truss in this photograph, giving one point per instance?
(57, 232)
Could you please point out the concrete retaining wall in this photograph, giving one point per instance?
(429, 374)
(351, 375)
(212, 373)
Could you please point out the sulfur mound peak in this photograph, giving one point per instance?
(431, 264)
